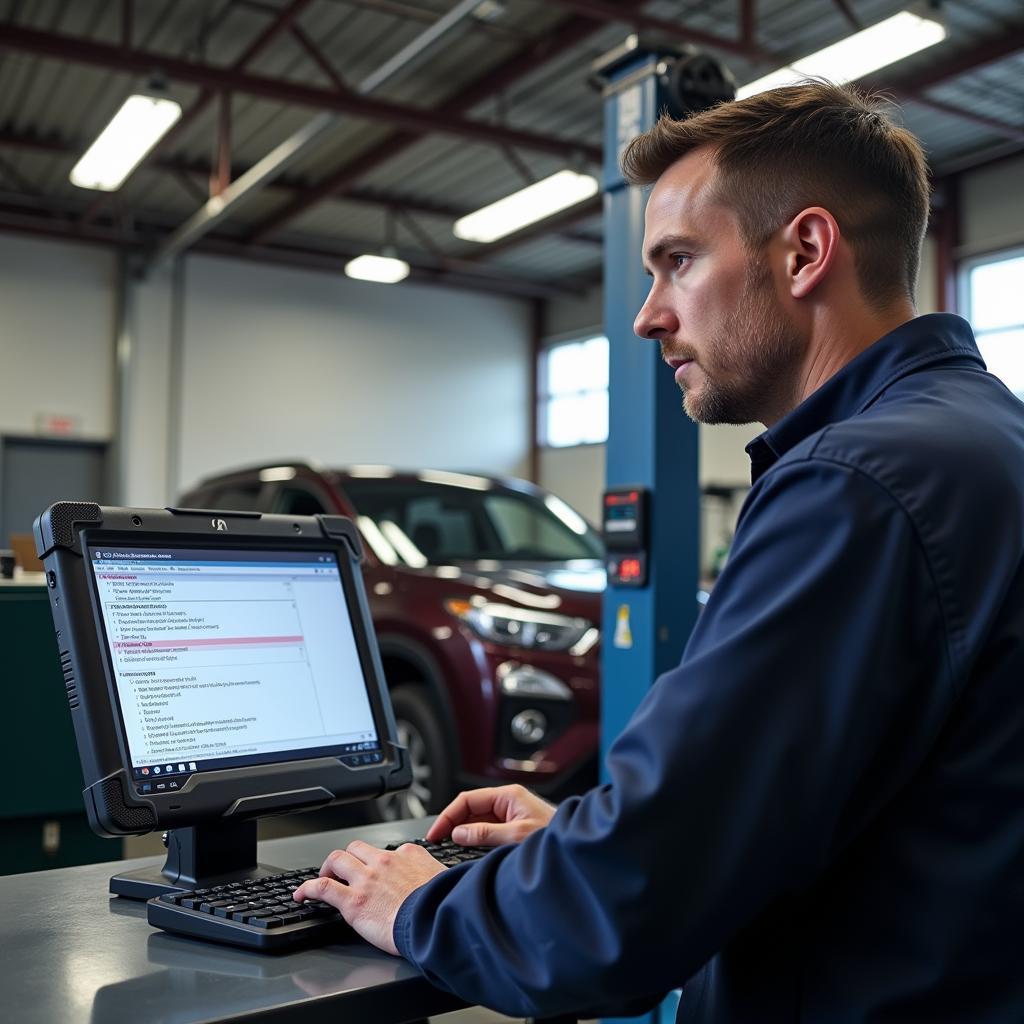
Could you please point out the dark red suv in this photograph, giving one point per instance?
(486, 597)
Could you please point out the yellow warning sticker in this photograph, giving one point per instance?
(623, 634)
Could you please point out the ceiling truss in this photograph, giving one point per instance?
(102, 221)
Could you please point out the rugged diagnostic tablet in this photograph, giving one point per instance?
(219, 666)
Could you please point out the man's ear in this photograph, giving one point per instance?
(812, 245)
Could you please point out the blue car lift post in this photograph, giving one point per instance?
(651, 442)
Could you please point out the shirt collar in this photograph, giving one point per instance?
(923, 341)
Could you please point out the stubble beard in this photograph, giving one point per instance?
(750, 366)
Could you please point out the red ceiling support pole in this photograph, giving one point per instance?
(748, 24)
(221, 176)
(283, 21)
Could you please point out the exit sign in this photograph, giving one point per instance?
(52, 424)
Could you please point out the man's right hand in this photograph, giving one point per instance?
(492, 817)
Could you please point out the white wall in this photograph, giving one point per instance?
(275, 362)
(57, 309)
(280, 362)
(992, 207)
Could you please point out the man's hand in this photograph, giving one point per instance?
(492, 817)
(368, 885)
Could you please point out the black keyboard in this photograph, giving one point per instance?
(261, 914)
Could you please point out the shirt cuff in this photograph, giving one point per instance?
(403, 924)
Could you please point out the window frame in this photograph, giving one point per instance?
(964, 269)
(544, 394)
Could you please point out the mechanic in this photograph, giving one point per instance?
(819, 815)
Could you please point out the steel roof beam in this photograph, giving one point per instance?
(283, 21)
(912, 85)
(185, 170)
(567, 35)
(941, 68)
(308, 137)
(207, 76)
(448, 273)
(1007, 131)
(609, 11)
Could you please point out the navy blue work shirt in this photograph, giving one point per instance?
(819, 815)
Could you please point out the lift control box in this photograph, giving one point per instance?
(624, 525)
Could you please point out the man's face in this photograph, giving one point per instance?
(712, 305)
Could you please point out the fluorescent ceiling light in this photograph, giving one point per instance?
(868, 50)
(382, 269)
(133, 131)
(527, 206)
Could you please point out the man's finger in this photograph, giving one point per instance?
(340, 864)
(487, 833)
(472, 803)
(366, 852)
(323, 888)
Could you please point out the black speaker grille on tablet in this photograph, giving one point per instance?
(131, 819)
(69, 679)
(64, 515)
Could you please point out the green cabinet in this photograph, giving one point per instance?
(42, 819)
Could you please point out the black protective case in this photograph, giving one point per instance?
(215, 797)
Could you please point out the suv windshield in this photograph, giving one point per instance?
(418, 523)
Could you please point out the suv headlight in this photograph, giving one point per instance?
(519, 627)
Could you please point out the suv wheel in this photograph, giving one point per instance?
(421, 734)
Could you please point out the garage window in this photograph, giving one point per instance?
(992, 290)
(573, 405)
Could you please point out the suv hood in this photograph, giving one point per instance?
(573, 588)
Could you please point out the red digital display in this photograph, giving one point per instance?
(629, 569)
(622, 499)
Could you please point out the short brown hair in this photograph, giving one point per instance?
(812, 144)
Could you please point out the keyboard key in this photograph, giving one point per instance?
(322, 911)
(211, 906)
(231, 908)
(267, 922)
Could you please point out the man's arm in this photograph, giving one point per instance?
(813, 685)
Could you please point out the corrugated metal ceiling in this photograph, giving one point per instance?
(51, 106)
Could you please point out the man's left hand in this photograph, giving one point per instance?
(368, 885)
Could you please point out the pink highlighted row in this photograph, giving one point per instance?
(234, 641)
